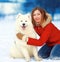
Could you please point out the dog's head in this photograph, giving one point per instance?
(24, 21)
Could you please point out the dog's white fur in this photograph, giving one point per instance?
(20, 49)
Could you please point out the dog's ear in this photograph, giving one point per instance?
(18, 15)
(29, 15)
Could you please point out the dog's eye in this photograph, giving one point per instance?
(25, 20)
(21, 21)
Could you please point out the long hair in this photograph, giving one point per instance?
(43, 13)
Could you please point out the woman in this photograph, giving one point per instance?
(49, 34)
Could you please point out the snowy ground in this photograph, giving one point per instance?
(7, 37)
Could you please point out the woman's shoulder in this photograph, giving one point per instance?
(49, 24)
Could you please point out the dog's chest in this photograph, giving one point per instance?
(30, 34)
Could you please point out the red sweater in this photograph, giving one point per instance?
(49, 35)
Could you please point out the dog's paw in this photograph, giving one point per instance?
(27, 60)
(14, 57)
(38, 59)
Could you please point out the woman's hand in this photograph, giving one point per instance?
(20, 35)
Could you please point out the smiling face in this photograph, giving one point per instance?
(23, 24)
(37, 16)
(23, 21)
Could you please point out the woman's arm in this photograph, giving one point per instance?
(37, 42)
(43, 38)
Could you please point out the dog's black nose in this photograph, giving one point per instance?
(23, 24)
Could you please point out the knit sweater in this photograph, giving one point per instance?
(49, 35)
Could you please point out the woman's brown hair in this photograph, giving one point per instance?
(43, 12)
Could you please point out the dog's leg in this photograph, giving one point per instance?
(26, 54)
(23, 50)
(36, 54)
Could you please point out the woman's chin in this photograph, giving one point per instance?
(37, 23)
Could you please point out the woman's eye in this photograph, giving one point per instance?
(38, 14)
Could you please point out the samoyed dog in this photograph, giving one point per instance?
(20, 49)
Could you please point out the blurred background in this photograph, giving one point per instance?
(12, 7)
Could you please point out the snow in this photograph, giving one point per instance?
(7, 27)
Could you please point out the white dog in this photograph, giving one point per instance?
(20, 49)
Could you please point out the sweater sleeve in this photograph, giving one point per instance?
(43, 38)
